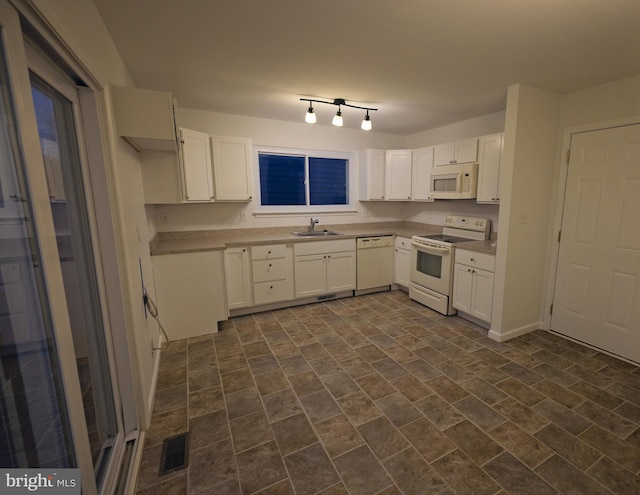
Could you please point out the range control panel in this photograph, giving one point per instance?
(468, 223)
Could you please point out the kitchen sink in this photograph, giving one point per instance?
(316, 233)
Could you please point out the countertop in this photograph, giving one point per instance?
(215, 240)
(488, 246)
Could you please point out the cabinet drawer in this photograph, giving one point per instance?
(475, 259)
(322, 247)
(268, 252)
(268, 292)
(269, 270)
(402, 243)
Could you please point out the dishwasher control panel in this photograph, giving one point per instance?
(371, 242)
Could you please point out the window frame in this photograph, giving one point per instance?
(306, 209)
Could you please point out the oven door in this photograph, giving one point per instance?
(431, 266)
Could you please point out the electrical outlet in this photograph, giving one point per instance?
(164, 218)
(524, 218)
(243, 216)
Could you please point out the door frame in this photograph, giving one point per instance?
(559, 208)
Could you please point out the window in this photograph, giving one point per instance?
(300, 181)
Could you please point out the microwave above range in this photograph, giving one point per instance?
(459, 181)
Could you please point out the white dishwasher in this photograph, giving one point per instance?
(374, 262)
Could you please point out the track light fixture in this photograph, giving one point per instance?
(310, 117)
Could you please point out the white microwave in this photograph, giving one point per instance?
(459, 181)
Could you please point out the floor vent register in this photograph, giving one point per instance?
(175, 453)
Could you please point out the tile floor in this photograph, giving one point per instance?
(380, 395)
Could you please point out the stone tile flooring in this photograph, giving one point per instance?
(380, 395)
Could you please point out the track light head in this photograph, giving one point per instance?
(366, 122)
(310, 117)
(337, 119)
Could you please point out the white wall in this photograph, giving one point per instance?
(527, 193)
(80, 25)
(478, 126)
(610, 101)
(535, 124)
(434, 213)
(275, 133)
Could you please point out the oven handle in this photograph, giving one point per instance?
(432, 248)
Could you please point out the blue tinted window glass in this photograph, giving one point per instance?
(327, 181)
(281, 180)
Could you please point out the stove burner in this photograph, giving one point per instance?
(446, 238)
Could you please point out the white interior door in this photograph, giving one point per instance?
(597, 293)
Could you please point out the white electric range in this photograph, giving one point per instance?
(432, 260)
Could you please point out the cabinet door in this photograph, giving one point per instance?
(190, 293)
(444, 154)
(489, 155)
(232, 168)
(310, 274)
(398, 175)
(466, 151)
(421, 174)
(238, 277)
(402, 267)
(482, 295)
(341, 271)
(145, 118)
(462, 287)
(196, 166)
(372, 175)
(463, 151)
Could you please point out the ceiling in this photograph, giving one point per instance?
(422, 63)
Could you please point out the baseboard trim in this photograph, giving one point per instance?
(516, 332)
(289, 303)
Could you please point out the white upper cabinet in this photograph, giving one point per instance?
(145, 118)
(372, 175)
(421, 174)
(464, 151)
(398, 175)
(489, 155)
(232, 168)
(196, 166)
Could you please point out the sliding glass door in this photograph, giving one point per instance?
(34, 418)
(60, 401)
(59, 146)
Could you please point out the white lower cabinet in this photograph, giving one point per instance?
(272, 273)
(190, 293)
(402, 261)
(237, 268)
(473, 283)
(324, 267)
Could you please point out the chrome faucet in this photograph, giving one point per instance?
(312, 224)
